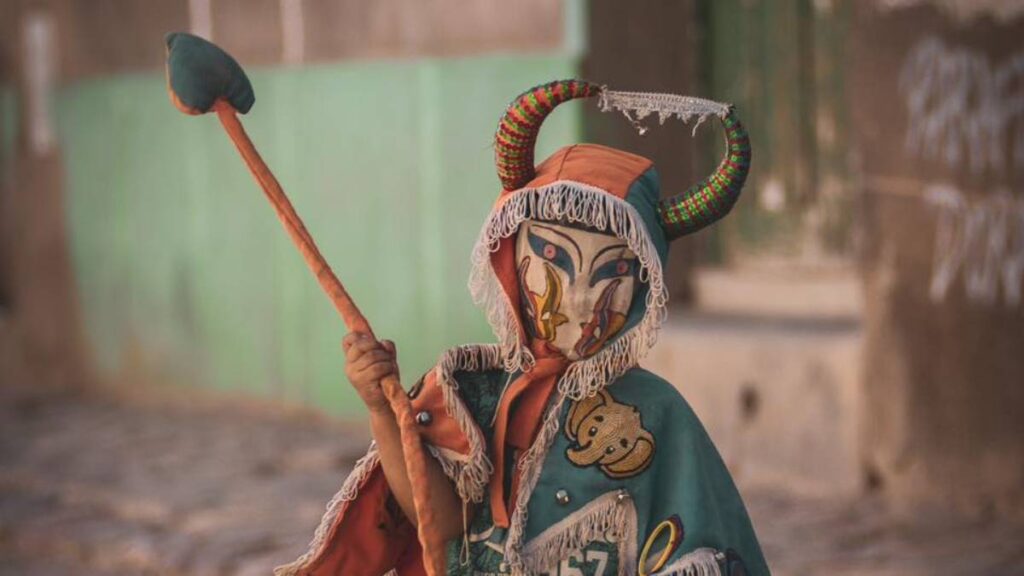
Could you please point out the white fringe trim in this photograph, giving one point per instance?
(643, 104)
(574, 202)
(700, 562)
(470, 475)
(349, 490)
(610, 516)
(530, 469)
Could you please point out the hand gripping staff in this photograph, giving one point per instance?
(202, 78)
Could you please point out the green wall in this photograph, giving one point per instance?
(184, 273)
(8, 129)
(783, 64)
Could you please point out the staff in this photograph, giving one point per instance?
(202, 78)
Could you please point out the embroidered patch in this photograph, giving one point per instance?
(598, 558)
(660, 545)
(609, 434)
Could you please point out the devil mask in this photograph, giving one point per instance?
(576, 286)
(571, 257)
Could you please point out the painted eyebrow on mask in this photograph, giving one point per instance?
(559, 256)
(579, 253)
(605, 249)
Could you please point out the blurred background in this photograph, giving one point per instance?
(173, 398)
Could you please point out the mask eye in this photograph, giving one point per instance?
(552, 253)
(614, 269)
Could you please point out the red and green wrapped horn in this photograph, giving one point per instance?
(518, 128)
(700, 206)
(712, 198)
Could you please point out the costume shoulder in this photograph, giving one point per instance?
(687, 489)
(651, 391)
(454, 405)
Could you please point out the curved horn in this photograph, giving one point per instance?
(518, 128)
(711, 199)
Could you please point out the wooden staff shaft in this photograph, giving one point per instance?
(412, 445)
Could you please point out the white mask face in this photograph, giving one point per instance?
(575, 286)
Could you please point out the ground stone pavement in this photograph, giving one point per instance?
(94, 485)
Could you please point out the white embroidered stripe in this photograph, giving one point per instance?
(570, 201)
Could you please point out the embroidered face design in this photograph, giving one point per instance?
(575, 286)
(609, 434)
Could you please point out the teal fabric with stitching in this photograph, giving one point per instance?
(685, 477)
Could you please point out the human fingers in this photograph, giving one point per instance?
(351, 339)
(372, 357)
(377, 371)
(360, 347)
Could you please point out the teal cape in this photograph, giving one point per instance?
(686, 479)
(588, 513)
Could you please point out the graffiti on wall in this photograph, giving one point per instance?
(968, 115)
(981, 241)
(961, 109)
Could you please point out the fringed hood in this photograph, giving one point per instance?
(602, 188)
(598, 187)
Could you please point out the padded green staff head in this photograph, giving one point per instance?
(199, 74)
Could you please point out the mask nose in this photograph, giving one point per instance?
(577, 305)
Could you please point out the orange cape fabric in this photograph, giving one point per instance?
(517, 421)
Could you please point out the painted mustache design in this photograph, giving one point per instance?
(542, 309)
(543, 316)
(603, 325)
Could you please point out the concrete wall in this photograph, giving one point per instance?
(770, 363)
(938, 124)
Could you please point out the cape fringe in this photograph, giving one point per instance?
(607, 516)
(349, 490)
(700, 562)
(530, 469)
(573, 202)
(470, 477)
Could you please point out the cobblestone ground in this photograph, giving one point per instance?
(96, 486)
